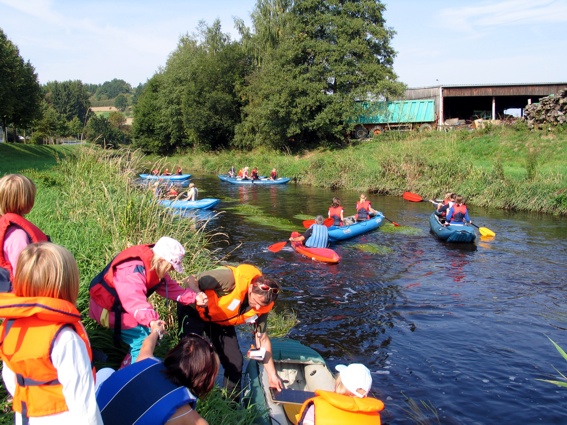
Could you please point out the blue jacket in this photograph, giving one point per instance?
(319, 237)
(141, 394)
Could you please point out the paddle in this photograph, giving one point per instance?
(277, 247)
(328, 222)
(484, 231)
(393, 222)
(412, 197)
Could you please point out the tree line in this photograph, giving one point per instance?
(292, 81)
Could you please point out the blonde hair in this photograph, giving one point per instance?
(161, 266)
(362, 196)
(47, 270)
(17, 194)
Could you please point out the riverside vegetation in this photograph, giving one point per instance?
(86, 200)
(509, 168)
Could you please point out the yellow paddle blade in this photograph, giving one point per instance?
(485, 231)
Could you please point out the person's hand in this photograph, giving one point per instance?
(201, 299)
(274, 381)
(158, 326)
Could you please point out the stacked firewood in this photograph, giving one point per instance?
(551, 110)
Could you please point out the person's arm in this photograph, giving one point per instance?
(173, 291)
(14, 243)
(262, 340)
(149, 344)
(130, 286)
(74, 372)
(448, 216)
(467, 218)
(342, 214)
(186, 415)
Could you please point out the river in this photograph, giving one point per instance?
(462, 329)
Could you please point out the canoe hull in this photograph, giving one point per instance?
(173, 178)
(204, 204)
(454, 233)
(323, 255)
(301, 369)
(225, 178)
(340, 233)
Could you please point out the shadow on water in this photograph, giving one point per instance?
(462, 327)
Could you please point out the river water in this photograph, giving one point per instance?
(462, 329)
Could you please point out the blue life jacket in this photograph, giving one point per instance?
(141, 394)
(319, 237)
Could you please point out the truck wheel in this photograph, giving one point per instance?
(377, 130)
(360, 132)
(425, 127)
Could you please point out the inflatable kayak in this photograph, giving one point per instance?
(459, 233)
(173, 177)
(339, 233)
(302, 371)
(204, 204)
(324, 255)
(264, 181)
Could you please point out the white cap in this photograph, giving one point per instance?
(355, 377)
(171, 251)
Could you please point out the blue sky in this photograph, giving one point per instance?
(438, 41)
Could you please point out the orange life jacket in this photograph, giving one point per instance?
(337, 409)
(26, 339)
(363, 210)
(225, 310)
(335, 213)
(459, 213)
(34, 234)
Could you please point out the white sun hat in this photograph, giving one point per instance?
(356, 378)
(171, 251)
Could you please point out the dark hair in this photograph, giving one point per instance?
(192, 363)
(336, 202)
(268, 296)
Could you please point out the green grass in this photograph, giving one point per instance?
(509, 168)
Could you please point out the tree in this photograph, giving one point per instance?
(111, 89)
(69, 98)
(20, 92)
(329, 54)
(99, 130)
(121, 102)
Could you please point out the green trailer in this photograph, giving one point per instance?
(401, 115)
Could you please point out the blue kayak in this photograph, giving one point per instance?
(203, 204)
(339, 233)
(173, 177)
(459, 233)
(236, 180)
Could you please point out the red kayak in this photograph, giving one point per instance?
(324, 255)
(412, 197)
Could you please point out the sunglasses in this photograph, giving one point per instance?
(267, 288)
(194, 335)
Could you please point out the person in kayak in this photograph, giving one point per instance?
(445, 205)
(364, 209)
(349, 404)
(170, 387)
(317, 236)
(254, 174)
(236, 295)
(336, 212)
(17, 198)
(192, 192)
(274, 174)
(458, 213)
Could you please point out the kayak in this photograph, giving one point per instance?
(459, 233)
(265, 181)
(302, 371)
(204, 204)
(339, 233)
(412, 197)
(324, 255)
(173, 177)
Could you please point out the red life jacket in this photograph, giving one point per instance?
(31, 325)
(225, 310)
(337, 409)
(459, 212)
(335, 213)
(35, 235)
(363, 210)
(102, 289)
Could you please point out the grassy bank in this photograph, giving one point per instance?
(509, 168)
(87, 203)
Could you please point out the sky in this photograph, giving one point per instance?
(438, 42)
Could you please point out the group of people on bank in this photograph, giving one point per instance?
(46, 353)
(317, 235)
(250, 174)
